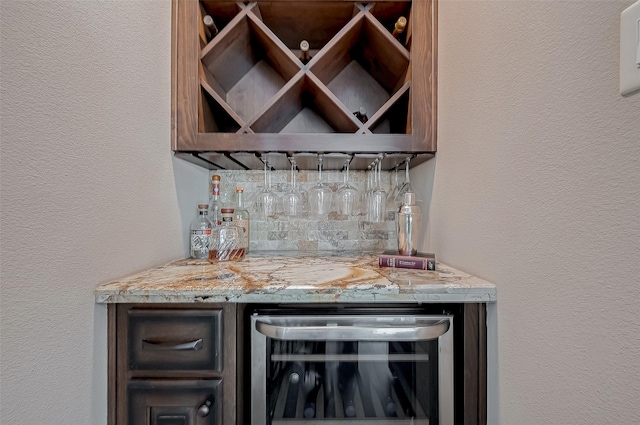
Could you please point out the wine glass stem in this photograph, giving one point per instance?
(265, 174)
(372, 179)
(406, 171)
(346, 174)
(375, 175)
(293, 174)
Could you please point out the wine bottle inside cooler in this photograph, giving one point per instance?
(330, 381)
(388, 404)
(291, 400)
(384, 389)
(311, 381)
(347, 386)
(347, 381)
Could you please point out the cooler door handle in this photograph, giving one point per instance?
(376, 331)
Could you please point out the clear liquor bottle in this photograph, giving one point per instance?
(225, 243)
(200, 233)
(241, 219)
(215, 202)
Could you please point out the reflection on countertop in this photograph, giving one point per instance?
(294, 277)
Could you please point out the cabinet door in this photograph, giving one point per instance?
(164, 402)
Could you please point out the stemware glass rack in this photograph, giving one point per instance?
(245, 90)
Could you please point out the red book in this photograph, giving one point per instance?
(420, 261)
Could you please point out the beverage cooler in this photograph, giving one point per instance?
(362, 366)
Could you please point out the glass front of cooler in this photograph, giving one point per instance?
(353, 370)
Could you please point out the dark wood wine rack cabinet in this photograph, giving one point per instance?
(242, 88)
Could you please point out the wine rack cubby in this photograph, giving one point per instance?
(242, 86)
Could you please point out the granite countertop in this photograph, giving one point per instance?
(294, 277)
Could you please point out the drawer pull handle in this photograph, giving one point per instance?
(170, 346)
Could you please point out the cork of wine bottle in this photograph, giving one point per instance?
(399, 27)
(210, 27)
(305, 57)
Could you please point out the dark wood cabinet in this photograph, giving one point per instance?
(243, 87)
(172, 364)
(174, 402)
(187, 364)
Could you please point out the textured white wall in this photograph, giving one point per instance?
(537, 189)
(90, 191)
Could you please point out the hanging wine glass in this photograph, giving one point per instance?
(266, 199)
(347, 196)
(396, 185)
(293, 198)
(370, 186)
(378, 197)
(320, 195)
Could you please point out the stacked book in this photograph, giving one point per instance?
(420, 261)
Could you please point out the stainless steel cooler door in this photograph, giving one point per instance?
(351, 369)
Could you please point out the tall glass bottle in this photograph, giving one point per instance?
(200, 233)
(241, 219)
(215, 203)
(225, 239)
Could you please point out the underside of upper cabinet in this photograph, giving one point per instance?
(243, 86)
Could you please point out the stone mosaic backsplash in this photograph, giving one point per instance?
(305, 233)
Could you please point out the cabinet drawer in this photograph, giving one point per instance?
(161, 402)
(174, 339)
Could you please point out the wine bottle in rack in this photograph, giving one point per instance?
(305, 56)
(210, 27)
(399, 27)
(361, 115)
